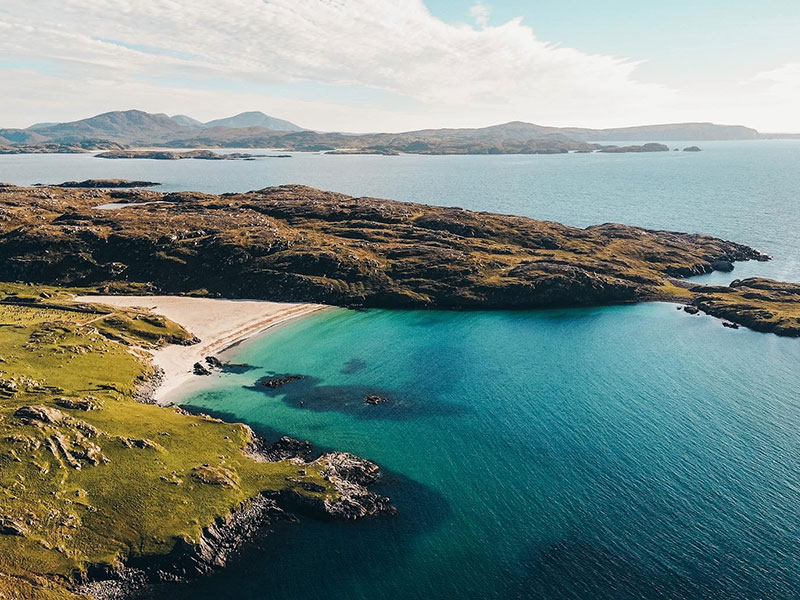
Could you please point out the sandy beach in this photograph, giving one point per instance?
(218, 324)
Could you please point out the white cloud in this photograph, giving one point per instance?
(481, 13)
(783, 82)
(209, 57)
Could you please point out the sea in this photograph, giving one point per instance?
(613, 453)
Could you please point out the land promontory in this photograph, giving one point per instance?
(296, 243)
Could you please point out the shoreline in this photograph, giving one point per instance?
(218, 323)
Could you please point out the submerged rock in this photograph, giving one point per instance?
(373, 399)
(276, 382)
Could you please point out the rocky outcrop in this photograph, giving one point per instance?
(200, 369)
(347, 497)
(288, 447)
(44, 414)
(349, 476)
(756, 303)
(279, 381)
(84, 404)
(374, 399)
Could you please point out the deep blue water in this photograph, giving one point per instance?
(617, 453)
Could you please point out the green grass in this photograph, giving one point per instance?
(136, 500)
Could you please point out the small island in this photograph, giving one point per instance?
(650, 147)
(189, 154)
(102, 184)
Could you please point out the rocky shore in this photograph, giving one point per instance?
(756, 303)
(222, 541)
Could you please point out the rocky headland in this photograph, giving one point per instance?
(294, 243)
(757, 303)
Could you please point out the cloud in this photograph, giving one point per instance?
(481, 13)
(389, 66)
(782, 82)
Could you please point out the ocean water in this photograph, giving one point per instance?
(616, 453)
(745, 191)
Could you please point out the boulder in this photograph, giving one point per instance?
(289, 447)
(276, 382)
(723, 265)
(40, 413)
(9, 526)
(200, 369)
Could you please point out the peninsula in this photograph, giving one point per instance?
(299, 244)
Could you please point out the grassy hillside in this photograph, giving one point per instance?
(89, 475)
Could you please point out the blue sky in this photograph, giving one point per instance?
(367, 65)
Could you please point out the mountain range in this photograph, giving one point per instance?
(132, 128)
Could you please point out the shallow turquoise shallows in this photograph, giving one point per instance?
(627, 452)
(618, 453)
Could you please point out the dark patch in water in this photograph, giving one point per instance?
(571, 569)
(352, 366)
(236, 368)
(310, 393)
(421, 505)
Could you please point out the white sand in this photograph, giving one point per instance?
(218, 324)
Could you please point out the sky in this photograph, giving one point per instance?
(395, 65)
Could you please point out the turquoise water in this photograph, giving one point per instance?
(616, 453)
(628, 452)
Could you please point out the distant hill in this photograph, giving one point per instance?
(129, 126)
(674, 132)
(132, 128)
(254, 119)
(185, 121)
